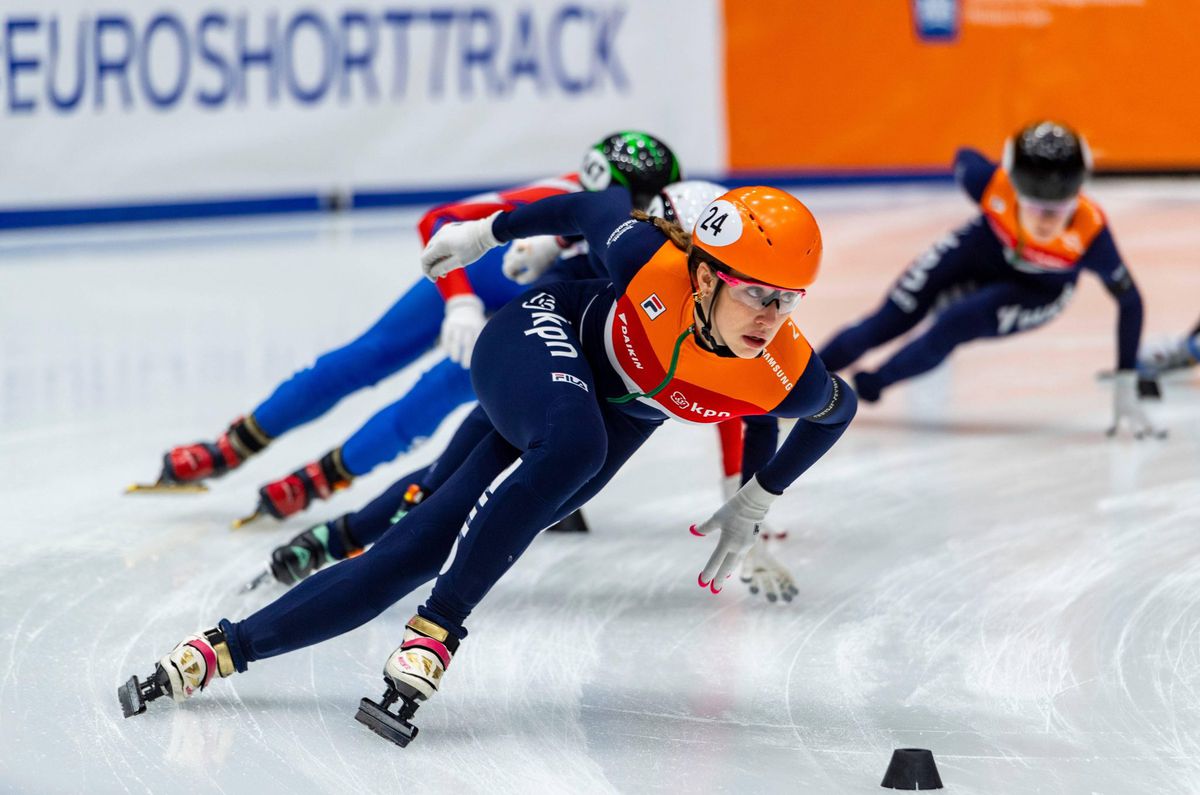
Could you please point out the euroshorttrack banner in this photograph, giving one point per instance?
(140, 101)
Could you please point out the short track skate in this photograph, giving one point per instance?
(388, 724)
(134, 694)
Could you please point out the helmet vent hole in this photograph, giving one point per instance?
(761, 231)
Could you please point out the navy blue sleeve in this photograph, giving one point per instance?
(620, 243)
(825, 406)
(569, 269)
(759, 444)
(973, 172)
(1103, 259)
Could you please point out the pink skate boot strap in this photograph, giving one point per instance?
(435, 646)
(210, 659)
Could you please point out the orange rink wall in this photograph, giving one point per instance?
(848, 85)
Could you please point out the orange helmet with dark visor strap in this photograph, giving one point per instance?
(764, 234)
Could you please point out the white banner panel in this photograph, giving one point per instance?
(140, 101)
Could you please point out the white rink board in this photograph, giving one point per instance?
(981, 572)
(140, 101)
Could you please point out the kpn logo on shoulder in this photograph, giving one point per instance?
(653, 306)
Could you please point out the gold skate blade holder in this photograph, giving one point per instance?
(163, 487)
(245, 520)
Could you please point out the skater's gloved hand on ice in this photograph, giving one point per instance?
(1128, 409)
(763, 572)
(738, 520)
(464, 320)
(457, 245)
(528, 259)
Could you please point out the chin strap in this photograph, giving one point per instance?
(703, 331)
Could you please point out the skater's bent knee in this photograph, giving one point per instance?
(573, 450)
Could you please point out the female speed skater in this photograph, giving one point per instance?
(1016, 263)
(455, 307)
(744, 452)
(572, 379)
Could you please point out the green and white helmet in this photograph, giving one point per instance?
(634, 160)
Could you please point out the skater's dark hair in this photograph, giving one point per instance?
(673, 231)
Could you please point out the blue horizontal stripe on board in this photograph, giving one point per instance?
(101, 214)
(162, 211)
(169, 211)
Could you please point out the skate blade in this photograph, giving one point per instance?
(573, 523)
(388, 726)
(162, 487)
(263, 576)
(245, 520)
(130, 697)
(133, 695)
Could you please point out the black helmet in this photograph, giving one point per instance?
(1047, 161)
(635, 160)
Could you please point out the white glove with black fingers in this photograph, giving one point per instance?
(529, 258)
(738, 520)
(461, 326)
(457, 245)
(763, 572)
(1128, 409)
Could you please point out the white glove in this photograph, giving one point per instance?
(461, 326)
(457, 245)
(1127, 409)
(767, 531)
(762, 571)
(738, 520)
(528, 259)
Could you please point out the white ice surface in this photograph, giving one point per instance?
(981, 572)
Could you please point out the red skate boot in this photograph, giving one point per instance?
(317, 480)
(187, 466)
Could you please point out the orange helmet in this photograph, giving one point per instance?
(766, 234)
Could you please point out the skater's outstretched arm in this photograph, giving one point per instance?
(614, 239)
(618, 242)
(825, 406)
(1103, 259)
(973, 172)
(464, 317)
(482, 206)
